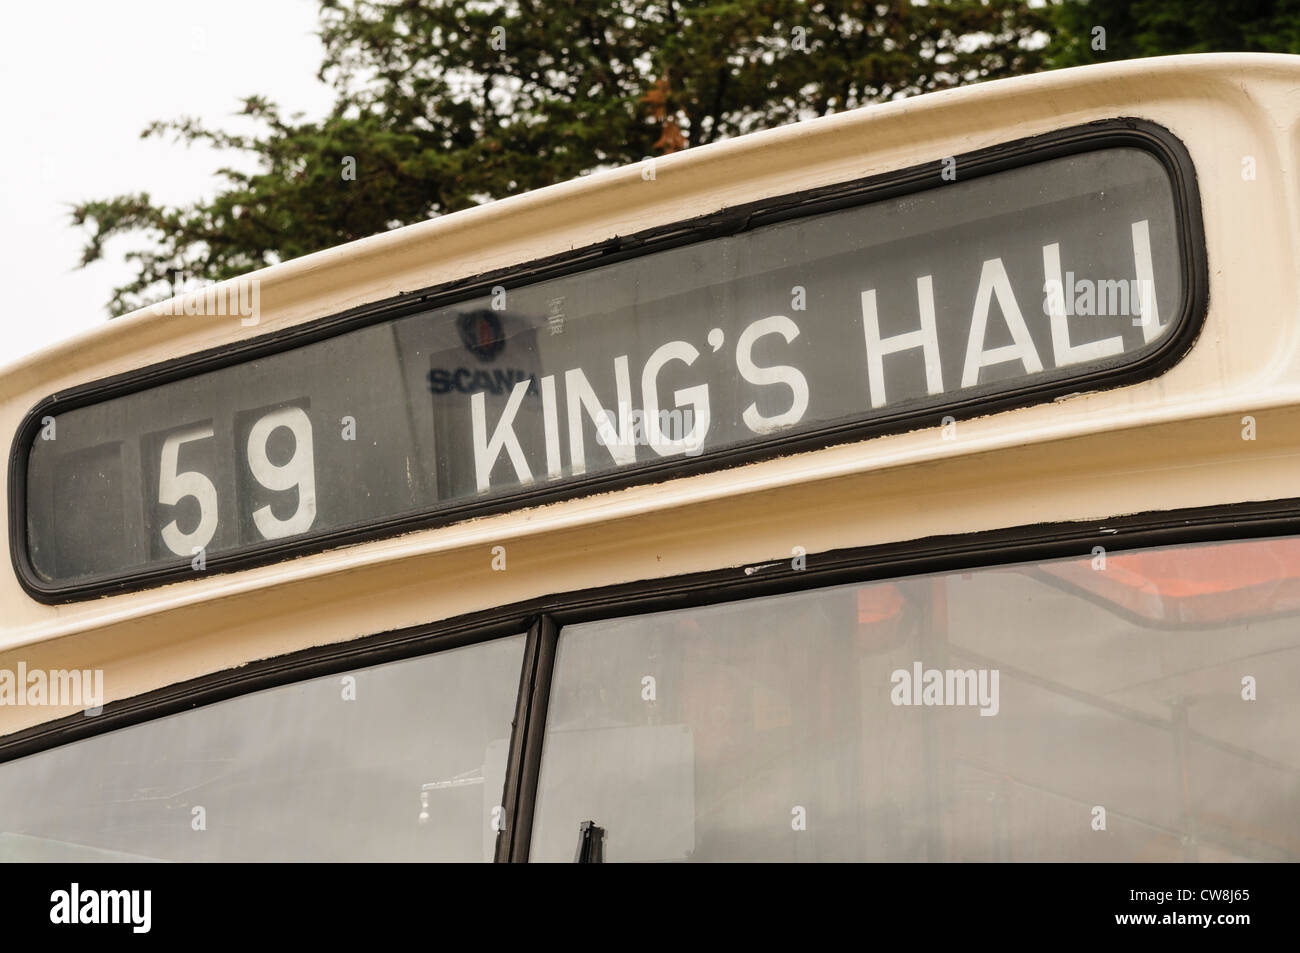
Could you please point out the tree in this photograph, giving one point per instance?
(441, 105)
(1160, 27)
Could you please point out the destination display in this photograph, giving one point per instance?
(966, 290)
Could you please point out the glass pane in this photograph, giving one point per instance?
(402, 761)
(682, 352)
(1136, 707)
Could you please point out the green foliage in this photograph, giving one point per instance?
(1160, 27)
(445, 104)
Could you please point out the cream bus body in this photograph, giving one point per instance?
(1164, 445)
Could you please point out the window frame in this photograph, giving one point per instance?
(1115, 372)
(543, 619)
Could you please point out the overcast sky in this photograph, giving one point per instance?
(81, 79)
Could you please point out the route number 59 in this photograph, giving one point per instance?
(297, 473)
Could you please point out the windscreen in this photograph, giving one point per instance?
(1112, 707)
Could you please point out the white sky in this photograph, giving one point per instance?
(81, 79)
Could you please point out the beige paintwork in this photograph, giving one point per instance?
(1170, 442)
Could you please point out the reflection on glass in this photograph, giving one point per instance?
(790, 327)
(1154, 692)
(394, 762)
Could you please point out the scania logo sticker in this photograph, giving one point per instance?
(481, 332)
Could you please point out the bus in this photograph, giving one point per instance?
(917, 483)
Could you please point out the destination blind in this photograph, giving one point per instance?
(969, 289)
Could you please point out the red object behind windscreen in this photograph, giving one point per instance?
(1199, 585)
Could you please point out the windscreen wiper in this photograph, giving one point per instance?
(591, 844)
